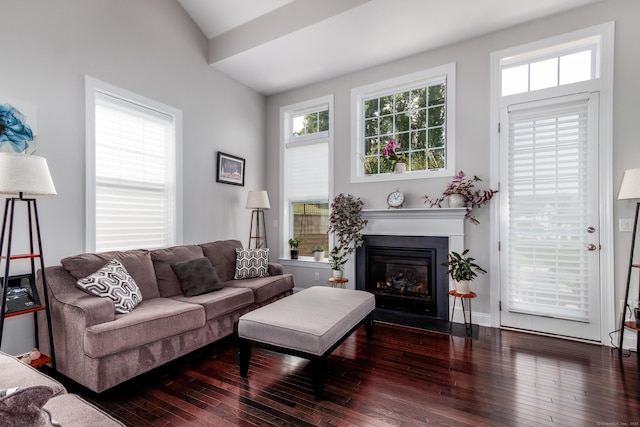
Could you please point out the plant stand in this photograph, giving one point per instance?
(466, 309)
(338, 283)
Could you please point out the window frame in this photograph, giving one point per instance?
(94, 86)
(394, 85)
(287, 139)
(592, 43)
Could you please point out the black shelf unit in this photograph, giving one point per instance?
(624, 323)
(27, 282)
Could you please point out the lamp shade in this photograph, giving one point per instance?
(258, 199)
(630, 185)
(26, 174)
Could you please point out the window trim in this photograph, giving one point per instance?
(93, 85)
(393, 85)
(287, 113)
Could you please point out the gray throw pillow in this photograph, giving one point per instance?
(197, 277)
(23, 407)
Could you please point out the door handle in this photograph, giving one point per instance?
(591, 230)
(591, 247)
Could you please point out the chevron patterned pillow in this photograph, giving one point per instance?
(114, 282)
(251, 263)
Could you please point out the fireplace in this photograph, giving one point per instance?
(405, 273)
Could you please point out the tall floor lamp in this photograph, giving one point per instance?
(24, 178)
(258, 200)
(630, 189)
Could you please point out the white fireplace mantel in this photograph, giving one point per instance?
(446, 222)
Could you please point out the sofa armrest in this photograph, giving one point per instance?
(275, 269)
(61, 286)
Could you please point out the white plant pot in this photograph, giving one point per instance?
(400, 168)
(318, 256)
(456, 201)
(337, 274)
(463, 286)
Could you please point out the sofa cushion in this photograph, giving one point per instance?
(251, 263)
(24, 407)
(70, 410)
(168, 282)
(221, 302)
(18, 374)
(197, 277)
(114, 282)
(222, 255)
(264, 288)
(137, 262)
(151, 321)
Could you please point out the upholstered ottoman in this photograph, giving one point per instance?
(309, 324)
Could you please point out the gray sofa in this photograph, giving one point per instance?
(99, 348)
(63, 408)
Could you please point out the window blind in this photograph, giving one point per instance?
(548, 155)
(308, 172)
(135, 175)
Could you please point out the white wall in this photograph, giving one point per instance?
(472, 120)
(150, 47)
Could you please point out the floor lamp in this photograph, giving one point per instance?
(630, 190)
(258, 201)
(24, 178)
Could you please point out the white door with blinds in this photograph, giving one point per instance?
(549, 237)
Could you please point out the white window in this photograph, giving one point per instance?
(132, 173)
(417, 111)
(552, 66)
(305, 181)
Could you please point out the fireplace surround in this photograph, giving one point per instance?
(416, 239)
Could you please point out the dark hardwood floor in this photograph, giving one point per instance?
(402, 377)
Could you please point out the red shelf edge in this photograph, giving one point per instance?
(631, 325)
(21, 256)
(42, 360)
(21, 312)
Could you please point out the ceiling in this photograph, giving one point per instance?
(277, 45)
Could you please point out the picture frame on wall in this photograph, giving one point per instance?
(230, 169)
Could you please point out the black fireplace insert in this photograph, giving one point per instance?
(405, 273)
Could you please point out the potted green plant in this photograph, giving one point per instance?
(460, 193)
(318, 253)
(293, 244)
(337, 260)
(462, 270)
(346, 224)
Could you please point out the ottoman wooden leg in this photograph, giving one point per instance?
(244, 355)
(318, 368)
(368, 325)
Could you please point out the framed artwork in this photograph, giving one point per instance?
(230, 169)
(18, 128)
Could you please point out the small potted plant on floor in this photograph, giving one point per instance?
(346, 224)
(460, 193)
(337, 260)
(462, 270)
(293, 244)
(318, 253)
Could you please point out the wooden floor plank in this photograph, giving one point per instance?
(401, 377)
